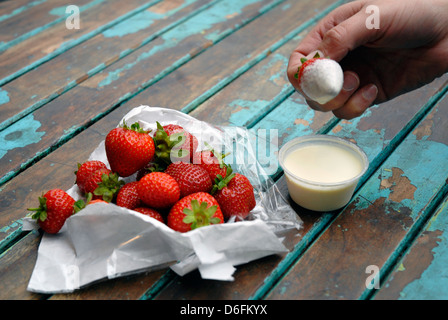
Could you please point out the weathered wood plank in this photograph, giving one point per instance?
(101, 93)
(61, 163)
(421, 274)
(10, 8)
(15, 269)
(374, 224)
(36, 19)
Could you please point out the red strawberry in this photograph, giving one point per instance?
(103, 184)
(85, 170)
(150, 212)
(190, 177)
(97, 201)
(158, 190)
(321, 79)
(127, 197)
(194, 211)
(235, 195)
(55, 207)
(128, 149)
(174, 144)
(212, 163)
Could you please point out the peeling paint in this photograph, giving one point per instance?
(245, 109)
(433, 282)
(20, 134)
(4, 98)
(400, 185)
(201, 23)
(134, 24)
(372, 140)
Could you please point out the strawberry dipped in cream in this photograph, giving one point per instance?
(320, 79)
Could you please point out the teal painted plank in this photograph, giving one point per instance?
(4, 14)
(216, 11)
(410, 156)
(422, 273)
(39, 97)
(60, 16)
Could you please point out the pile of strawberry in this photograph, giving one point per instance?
(175, 183)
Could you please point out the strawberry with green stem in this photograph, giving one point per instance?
(158, 190)
(190, 177)
(235, 194)
(173, 144)
(129, 149)
(211, 161)
(194, 211)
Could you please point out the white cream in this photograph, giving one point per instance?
(322, 80)
(322, 176)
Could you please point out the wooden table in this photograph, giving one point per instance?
(222, 61)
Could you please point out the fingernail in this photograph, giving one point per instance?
(351, 81)
(369, 93)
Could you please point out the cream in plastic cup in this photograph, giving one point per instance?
(322, 171)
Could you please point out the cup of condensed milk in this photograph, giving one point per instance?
(322, 171)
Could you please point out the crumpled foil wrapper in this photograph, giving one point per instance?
(105, 241)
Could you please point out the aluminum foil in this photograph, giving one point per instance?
(105, 241)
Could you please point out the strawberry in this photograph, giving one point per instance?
(158, 190)
(235, 195)
(103, 184)
(81, 204)
(55, 206)
(85, 170)
(97, 201)
(320, 79)
(127, 196)
(150, 212)
(174, 144)
(190, 177)
(194, 211)
(128, 149)
(212, 162)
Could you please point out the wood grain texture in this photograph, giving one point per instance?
(36, 19)
(62, 162)
(372, 227)
(78, 53)
(103, 92)
(222, 62)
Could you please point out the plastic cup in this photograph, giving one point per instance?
(322, 171)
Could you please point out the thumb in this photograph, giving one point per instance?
(346, 36)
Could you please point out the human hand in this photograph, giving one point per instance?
(409, 49)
